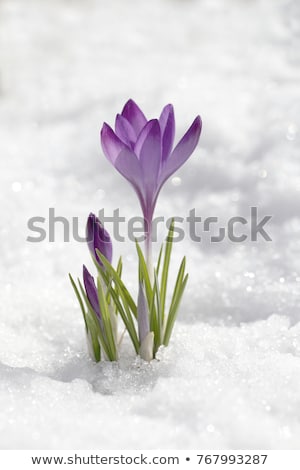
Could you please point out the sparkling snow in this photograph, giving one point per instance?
(231, 376)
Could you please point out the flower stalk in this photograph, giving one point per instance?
(148, 246)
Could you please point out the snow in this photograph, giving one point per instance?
(231, 375)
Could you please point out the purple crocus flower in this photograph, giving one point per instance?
(142, 151)
(98, 238)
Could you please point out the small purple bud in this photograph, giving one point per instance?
(98, 239)
(91, 292)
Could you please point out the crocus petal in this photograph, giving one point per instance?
(182, 151)
(134, 115)
(128, 165)
(148, 147)
(125, 131)
(111, 144)
(91, 291)
(98, 238)
(167, 125)
(142, 313)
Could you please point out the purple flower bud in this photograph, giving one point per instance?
(98, 238)
(92, 295)
(91, 292)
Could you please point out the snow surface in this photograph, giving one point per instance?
(231, 376)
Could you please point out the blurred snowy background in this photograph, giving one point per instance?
(231, 376)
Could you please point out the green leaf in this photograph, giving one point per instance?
(165, 270)
(107, 333)
(176, 298)
(122, 300)
(93, 339)
(119, 272)
(126, 316)
(119, 267)
(159, 259)
(143, 274)
(119, 283)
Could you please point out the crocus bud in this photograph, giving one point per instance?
(98, 239)
(91, 292)
(146, 348)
